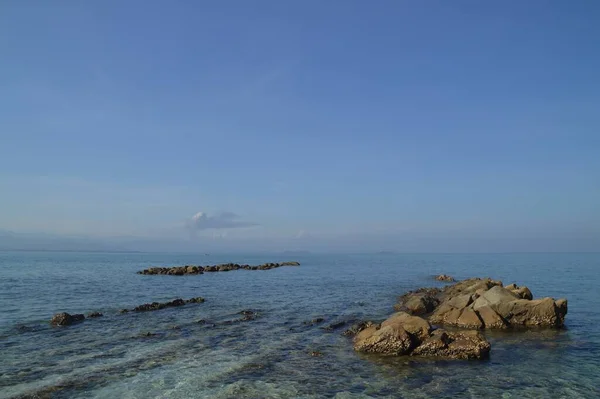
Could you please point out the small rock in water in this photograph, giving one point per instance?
(314, 321)
(445, 277)
(94, 314)
(66, 319)
(316, 354)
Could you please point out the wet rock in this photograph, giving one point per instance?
(66, 319)
(94, 315)
(122, 311)
(445, 277)
(147, 307)
(389, 340)
(334, 326)
(195, 300)
(315, 354)
(195, 270)
(358, 327)
(314, 321)
(404, 334)
(454, 345)
(248, 315)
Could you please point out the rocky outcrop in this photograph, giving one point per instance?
(405, 334)
(195, 270)
(66, 319)
(174, 303)
(484, 303)
(445, 277)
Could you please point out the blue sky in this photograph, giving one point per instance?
(396, 125)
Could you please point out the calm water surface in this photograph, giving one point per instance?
(269, 357)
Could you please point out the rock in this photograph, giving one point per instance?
(490, 318)
(195, 300)
(460, 301)
(498, 294)
(469, 319)
(448, 306)
(124, 311)
(533, 313)
(94, 314)
(248, 315)
(356, 328)
(389, 340)
(418, 302)
(314, 321)
(315, 354)
(66, 319)
(334, 326)
(404, 334)
(455, 345)
(444, 277)
(158, 306)
(414, 325)
(226, 267)
(521, 292)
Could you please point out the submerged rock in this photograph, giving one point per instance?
(94, 314)
(66, 319)
(484, 303)
(404, 334)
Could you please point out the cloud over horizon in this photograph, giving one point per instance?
(222, 220)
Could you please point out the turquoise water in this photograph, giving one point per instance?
(269, 357)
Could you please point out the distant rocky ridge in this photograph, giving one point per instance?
(226, 267)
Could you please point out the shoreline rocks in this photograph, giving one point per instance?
(195, 270)
(484, 303)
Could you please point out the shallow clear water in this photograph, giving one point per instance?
(270, 357)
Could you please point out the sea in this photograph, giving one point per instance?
(208, 351)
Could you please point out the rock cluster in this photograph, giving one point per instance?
(185, 270)
(445, 277)
(404, 334)
(484, 303)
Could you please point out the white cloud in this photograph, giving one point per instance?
(223, 220)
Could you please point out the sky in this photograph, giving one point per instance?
(275, 125)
